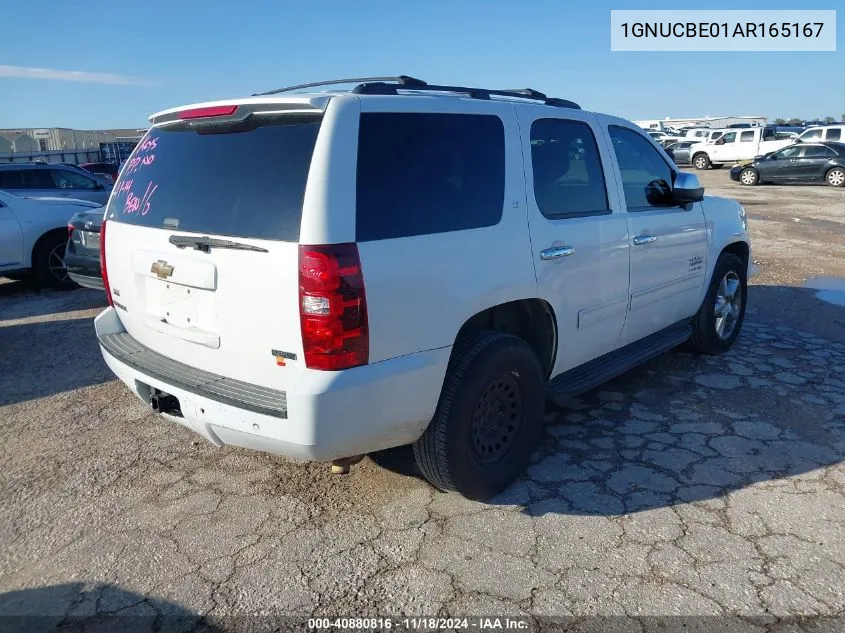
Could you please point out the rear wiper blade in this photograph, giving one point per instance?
(205, 244)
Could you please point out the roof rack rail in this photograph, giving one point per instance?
(391, 86)
(381, 87)
(402, 80)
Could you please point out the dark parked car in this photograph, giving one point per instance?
(101, 168)
(680, 152)
(802, 162)
(82, 255)
(43, 180)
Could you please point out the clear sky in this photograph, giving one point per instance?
(182, 52)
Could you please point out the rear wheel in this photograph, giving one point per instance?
(719, 319)
(749, 176)
(488, 419)
(48, 263)
(701, 161)
(836, 177)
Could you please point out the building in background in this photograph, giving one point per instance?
(59, 145)
(57, 139)
(125, 140)
(17, 141)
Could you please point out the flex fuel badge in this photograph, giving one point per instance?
(281, 357)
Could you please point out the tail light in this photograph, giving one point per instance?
(104, 271)
(70, 230)
(333, 307)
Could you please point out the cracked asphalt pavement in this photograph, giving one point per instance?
(692, 486)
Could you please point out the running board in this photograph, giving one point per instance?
(576, 381)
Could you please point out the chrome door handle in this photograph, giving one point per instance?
(556, 251)
(641, 240)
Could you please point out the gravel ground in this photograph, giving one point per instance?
(689, 487)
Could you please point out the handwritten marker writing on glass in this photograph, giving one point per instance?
(133, 203)
(145, 202)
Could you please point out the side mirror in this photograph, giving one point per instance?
(687, 188)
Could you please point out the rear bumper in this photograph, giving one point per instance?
(329, 414)
(86, 280)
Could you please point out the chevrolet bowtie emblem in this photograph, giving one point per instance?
(161, 269)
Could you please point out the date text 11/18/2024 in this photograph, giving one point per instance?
(420, 624)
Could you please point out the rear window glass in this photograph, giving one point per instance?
(236, 180)
(428, 173)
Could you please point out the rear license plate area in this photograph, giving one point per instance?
(172, 302)
(90, 239)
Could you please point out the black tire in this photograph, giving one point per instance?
(716, 166)
(493, 379)
(705, 338)
(749, 176)
(835, 177)
(701, 161)
(44, 263)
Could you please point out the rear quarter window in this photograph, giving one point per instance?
(240, 180)
(421, 173)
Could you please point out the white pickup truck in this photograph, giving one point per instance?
(737, 145)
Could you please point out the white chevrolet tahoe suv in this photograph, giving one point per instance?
(327, 274)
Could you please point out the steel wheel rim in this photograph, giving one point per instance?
(747, 177)
(836, 177)
(497, 420)
(728, 305)
(699, 162)
(56, 263)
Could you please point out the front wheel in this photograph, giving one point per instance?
(836, 177)
(701, 161)
(488, 419)
(719, 319)
(749, 176)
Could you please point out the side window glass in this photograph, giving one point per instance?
(811, 135)
(567, 170)
(790, 152)
(646, 177)
(66, 179)
(11, 179)
(730, 137)
(833, 134)
(746, 137)
(37, 179)
(817, 151)
(421, 173)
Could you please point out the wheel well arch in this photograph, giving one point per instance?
(740, 249)
(57, 232)
(532, 320)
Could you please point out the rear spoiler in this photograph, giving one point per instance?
(240, 110)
